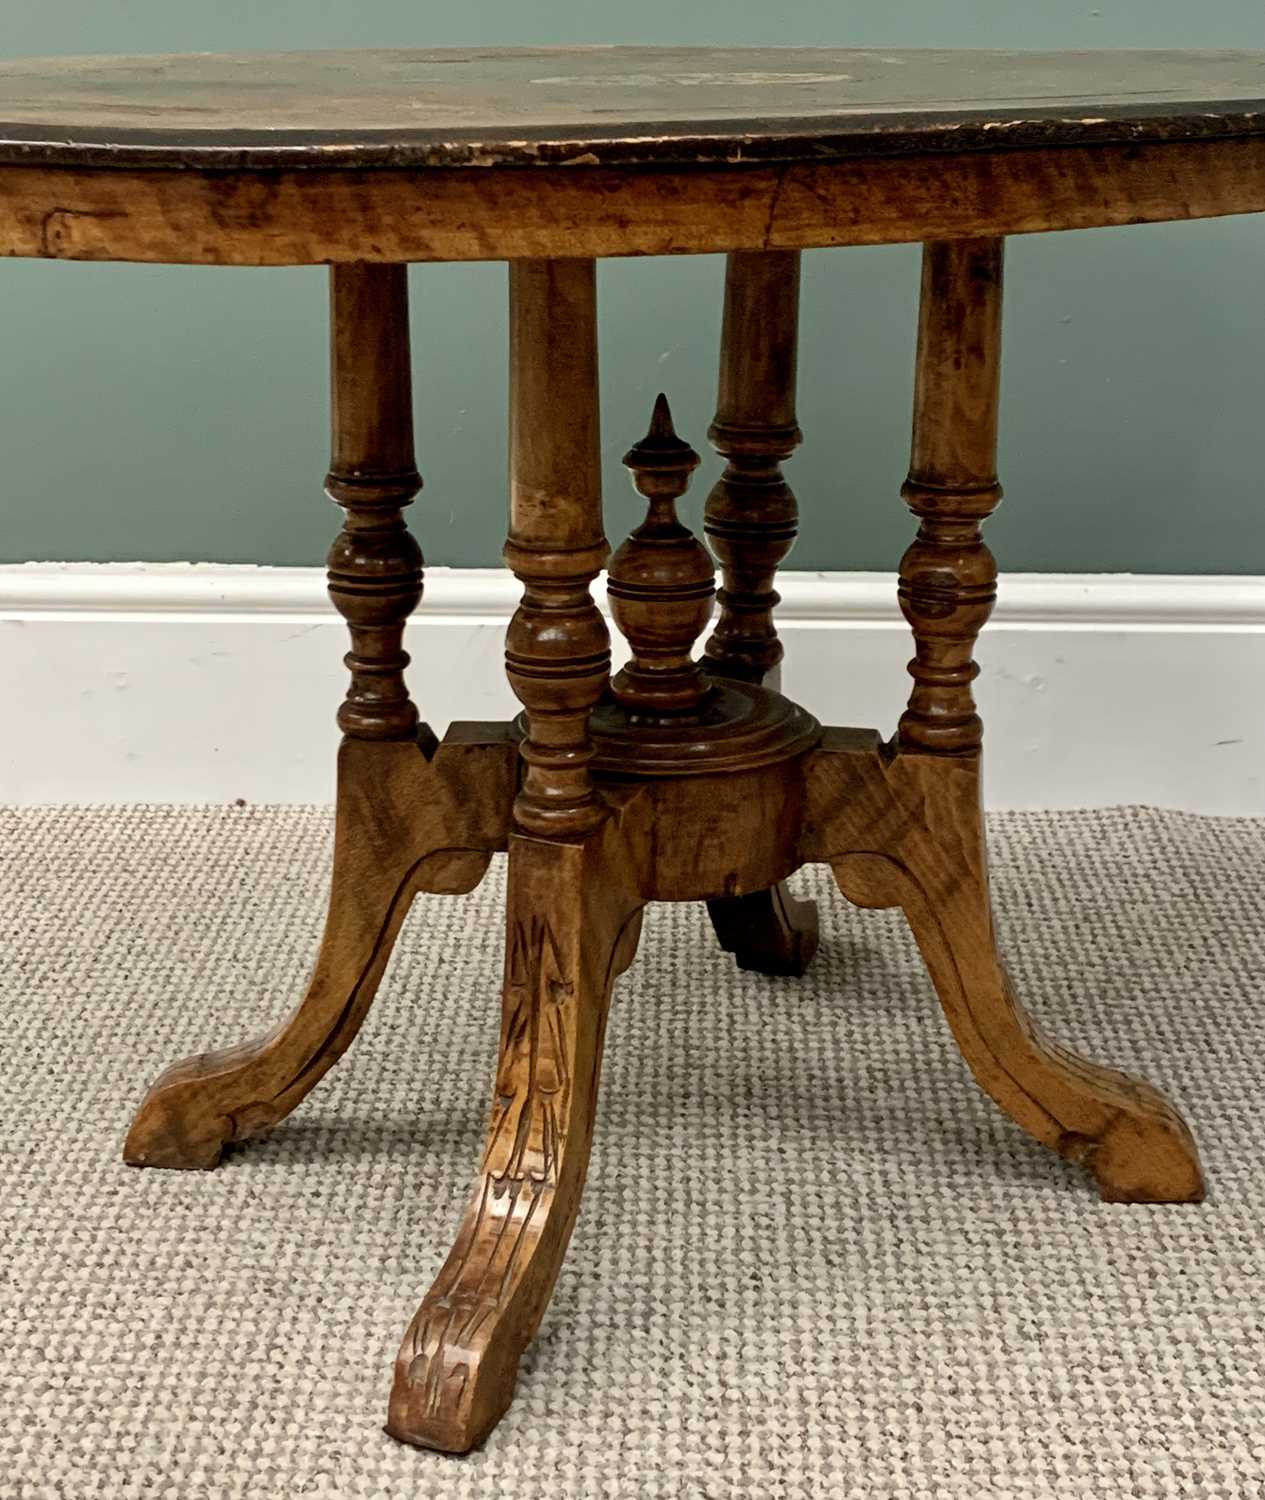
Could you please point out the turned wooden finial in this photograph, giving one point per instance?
(661, 582)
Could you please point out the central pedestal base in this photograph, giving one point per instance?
(899, 828)
(737, 727)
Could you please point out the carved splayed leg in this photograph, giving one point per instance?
(571, 922)
(751, 522)
(907, 831)
(412, 815)
(575, 893)
(906, 828)
(520, 1173)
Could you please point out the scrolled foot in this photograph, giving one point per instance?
(457, 1367)
(183, 1121)
(1145, 1152)
(199, 1105)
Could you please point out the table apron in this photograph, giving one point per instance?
(315, 216)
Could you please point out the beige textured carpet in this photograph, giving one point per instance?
(813, 1260)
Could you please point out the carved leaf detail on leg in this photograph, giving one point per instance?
(520, 1168)
(457, 1364)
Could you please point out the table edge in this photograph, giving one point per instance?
(671, 143)
(308, 216)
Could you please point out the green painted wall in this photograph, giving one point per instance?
(173, 413)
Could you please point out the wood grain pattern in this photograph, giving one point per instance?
(411, 817)
(313, 217)
(751, 515)
(751, 520)
(675, 785)
(557, 649)
(572, 921)
(948, 579)
(903, 825)
(908, 831)
(660, 583)
(375, 564)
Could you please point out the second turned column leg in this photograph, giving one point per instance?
(412, 816)
(751, 521)
(574, 895)
(906, 828)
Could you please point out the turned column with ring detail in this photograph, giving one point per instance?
(948, 578)
(375, 563)
(751, 520)
(751, 515)
(557, 649)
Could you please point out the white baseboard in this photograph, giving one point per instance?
(205, 683)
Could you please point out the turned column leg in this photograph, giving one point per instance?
(751, 519)
(948, 578)
(411, 816)
(574, 899)
(907, 830)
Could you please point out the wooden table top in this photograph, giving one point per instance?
(609, 106)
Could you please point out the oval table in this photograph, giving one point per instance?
(682, 778)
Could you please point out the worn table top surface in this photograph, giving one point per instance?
(610, 105)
